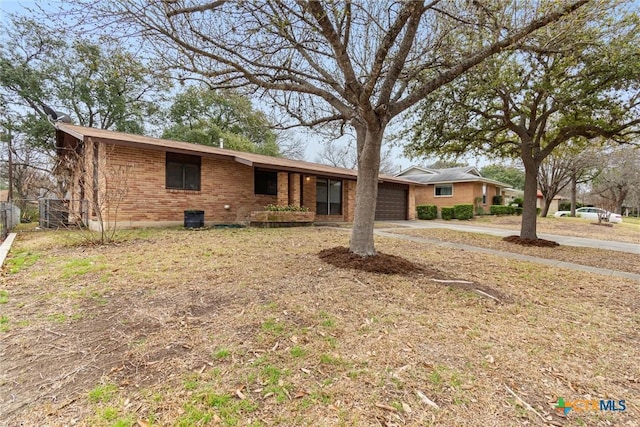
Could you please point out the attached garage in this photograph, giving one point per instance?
(392, 202)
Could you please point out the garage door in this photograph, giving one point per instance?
(392, 202)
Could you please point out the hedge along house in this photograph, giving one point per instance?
(454, 186)
(138, 181)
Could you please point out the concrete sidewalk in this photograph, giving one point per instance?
(389, 232)
(608, 245)
(6, 247)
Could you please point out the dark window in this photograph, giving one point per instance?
(443, 190)
(328, 197)
(183, 172)
(266, 182)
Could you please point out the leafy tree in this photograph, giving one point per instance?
(99, 84)
(102, 85)
(508, 174)
(445, 164)
(351, 63)
(204, 116)
(578, 78)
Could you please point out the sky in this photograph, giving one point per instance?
(314, 142)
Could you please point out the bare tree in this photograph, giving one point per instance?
(345, 156)
(570, 165)
(291, 146)
(620, 178)
(355, 63)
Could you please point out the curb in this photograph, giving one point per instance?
(5, 247)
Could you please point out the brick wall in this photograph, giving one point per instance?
(134, 179)
(463, 193)
(132, 189)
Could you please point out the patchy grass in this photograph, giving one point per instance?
(20, 259)
(250, 327)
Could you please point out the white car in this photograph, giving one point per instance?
(593, 214)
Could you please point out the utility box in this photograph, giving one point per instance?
(193, 219)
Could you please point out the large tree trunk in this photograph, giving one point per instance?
(529, 213)
(369, 143)
(574, 191)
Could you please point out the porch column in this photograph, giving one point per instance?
(283, 188)
(411, 214)
(294, 189)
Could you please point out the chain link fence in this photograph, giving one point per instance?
(62, 213)
(9, 218)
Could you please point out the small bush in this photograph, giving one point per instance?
(538, 210)
(518, 201)
(503, 210)
(447, 213)
(565, 205)
(427, 211)
(496, 200)
(518, 210)
(285, 208)
(463, 211)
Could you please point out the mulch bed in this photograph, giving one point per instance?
(541, 243)
(342, 257)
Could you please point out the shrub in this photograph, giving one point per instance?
(285, 208)
(538, 210)
(463, 211)
(447, 213)
(496, 200)
(427, 211)
(518, 210)
(518, 201)
(565, 205)
(502, 210)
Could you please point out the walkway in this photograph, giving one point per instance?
(563, 240)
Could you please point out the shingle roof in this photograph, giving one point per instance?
(447, 176)
(256, 160)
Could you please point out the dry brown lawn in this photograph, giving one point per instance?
(628, 231)
(612, 260)
(249, 327)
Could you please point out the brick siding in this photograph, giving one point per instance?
(132, 191)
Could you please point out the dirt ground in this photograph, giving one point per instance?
(252, 327)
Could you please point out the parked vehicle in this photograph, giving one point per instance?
(593, 214)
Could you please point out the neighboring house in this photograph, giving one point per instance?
(553, 206)
(454, 186)
(140, 181)
(511, 194)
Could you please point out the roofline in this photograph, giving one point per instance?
(248, 159)
(479, 179)
(415, 167)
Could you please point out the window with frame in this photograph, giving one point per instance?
(443, 190)
(183, 171)
(328, 196)
(265, 182)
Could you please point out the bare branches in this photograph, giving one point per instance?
(201, 8)
(474, 59)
